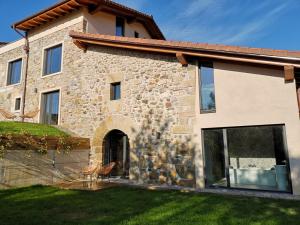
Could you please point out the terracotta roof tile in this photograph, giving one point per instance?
(189, 45)
(59, 9)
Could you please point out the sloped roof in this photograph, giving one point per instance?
(3, 43)
(67, 6)
(191, 48)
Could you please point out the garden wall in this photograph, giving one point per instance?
(24, 168)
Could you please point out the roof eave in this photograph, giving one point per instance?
(206, 53)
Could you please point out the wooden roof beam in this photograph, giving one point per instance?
(33, 23)
(80, 45)
(289, 73)
(46, 17)
(68, 7)
(39, 20)
(64, 11)
(182, 59)
(55, 14)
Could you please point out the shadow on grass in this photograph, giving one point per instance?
(124, 205)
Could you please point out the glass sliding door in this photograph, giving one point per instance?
(254, 158)
(50, 108)
(214, 158)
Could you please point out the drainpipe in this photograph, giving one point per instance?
(26, 49)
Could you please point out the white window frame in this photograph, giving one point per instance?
(43, 59)
(7, 71)
(59, 105)
(14, 106)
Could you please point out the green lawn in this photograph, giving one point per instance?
(124, 205)
(31, 128)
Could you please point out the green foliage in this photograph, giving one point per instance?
(31, 136)
(35, 129)
(130, 206)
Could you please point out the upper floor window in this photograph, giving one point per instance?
(115, 91)
(120, 26)
(14, 72)
(207, 87)
(52, 60)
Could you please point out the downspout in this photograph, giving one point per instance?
(26, 49)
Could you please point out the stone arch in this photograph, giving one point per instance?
(122, 123)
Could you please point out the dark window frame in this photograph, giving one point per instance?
(10, 72)
(136, 34)
(47, 67)
(208, 65)
(18, 104)
(120, 22)
(113, 94)
(286, 153)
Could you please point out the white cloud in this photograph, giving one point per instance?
(226, 22)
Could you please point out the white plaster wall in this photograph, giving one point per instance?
(250, 95)
(105, 23)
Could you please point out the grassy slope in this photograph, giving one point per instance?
(48, 205)
(32, 128)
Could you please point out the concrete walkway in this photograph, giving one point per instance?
(98, 185)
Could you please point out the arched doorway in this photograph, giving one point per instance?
(116, 149)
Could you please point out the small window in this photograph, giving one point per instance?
(136, 34)
(52, 60)
(120, 31)
(207, 87)
(115, 91)
(18, 104)
(14, 72)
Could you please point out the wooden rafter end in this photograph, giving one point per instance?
(182, 59)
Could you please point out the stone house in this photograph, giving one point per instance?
(203, 115)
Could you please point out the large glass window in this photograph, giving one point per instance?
(14, 72)
(207, 87)
(247, 157)
(50, 108)
(52, 60)
(120, 24)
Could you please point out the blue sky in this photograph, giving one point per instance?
(254, 23)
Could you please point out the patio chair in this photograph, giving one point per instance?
(30, 115)
(7, 115)
(106, 170)
(89, 171)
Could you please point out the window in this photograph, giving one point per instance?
(247, 157)
(136, 34)
(120, 31)
(18, 104)
(115, 91)
(207, 87)
(52, 60)
(14, 72)
(50, 108)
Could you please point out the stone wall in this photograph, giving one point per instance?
(23, 168)
(8, 94)
(158, 97)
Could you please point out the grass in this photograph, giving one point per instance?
(31, 128)
(130, 206)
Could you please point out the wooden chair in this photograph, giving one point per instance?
(30, 115)
(7, 115)
(106, 170)
(89, 171)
